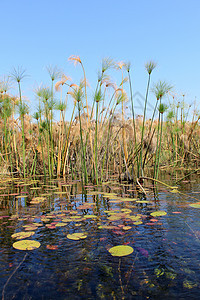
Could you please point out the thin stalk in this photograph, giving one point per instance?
(143, 125)
(133, 118)
(158, 161)
(96, 148)
(84, 168)
(23, 136)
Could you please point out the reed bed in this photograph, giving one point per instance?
(98, 139)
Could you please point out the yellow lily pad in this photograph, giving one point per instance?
(134, 218)
(129, 199)
(90, 217)
(30, 228)
(158, 213)
(22, 235)
(142, 201)
(77, 236)
(195, 205)
(60, 224)
(138, 223)
(126, 227)
(66, 220)
(121, 250)
(26, 245)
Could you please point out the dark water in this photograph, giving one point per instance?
(165, 263)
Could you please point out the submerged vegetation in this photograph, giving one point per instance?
(97, 139)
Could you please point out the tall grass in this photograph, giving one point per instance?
(99, 139)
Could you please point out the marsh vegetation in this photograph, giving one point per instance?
(103, 135)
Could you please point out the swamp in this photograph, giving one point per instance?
(102, 203)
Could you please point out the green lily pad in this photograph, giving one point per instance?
(90, 216)
(195, 205)
(121, 250)
(26, 245)
(77, 236)
(158, 213)
(138, 223)
(22, 235)
(142, 201)
(60, 224)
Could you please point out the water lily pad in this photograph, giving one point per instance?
(129, 199)
(121, 250)
(142, 201)
(66, 220)
(138, 223)
(134, 218)
(60, 224)
(26, 245)
(158, 213)
(115, 217)
(90, 216)
(30, 228)
(107, 227)
(77, 236)
(126, 227)
(195, 205)
(22, 235)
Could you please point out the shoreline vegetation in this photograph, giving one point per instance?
(100, 139)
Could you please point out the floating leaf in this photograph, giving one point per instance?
(126, 227)
(128, 199)
(195, 205)
(52, 247)
(31, 228)
(77, 236)
(50, 226)
(134, 218)
(137, 223)
(158, 213)
(121, 250)
(66, 220)
(26, 245)
(142, 201)
(90, 216)
(107, 227)
(85, 206)
(22, 235)
(60, 224)
(115, 217)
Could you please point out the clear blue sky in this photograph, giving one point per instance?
(38, 33)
